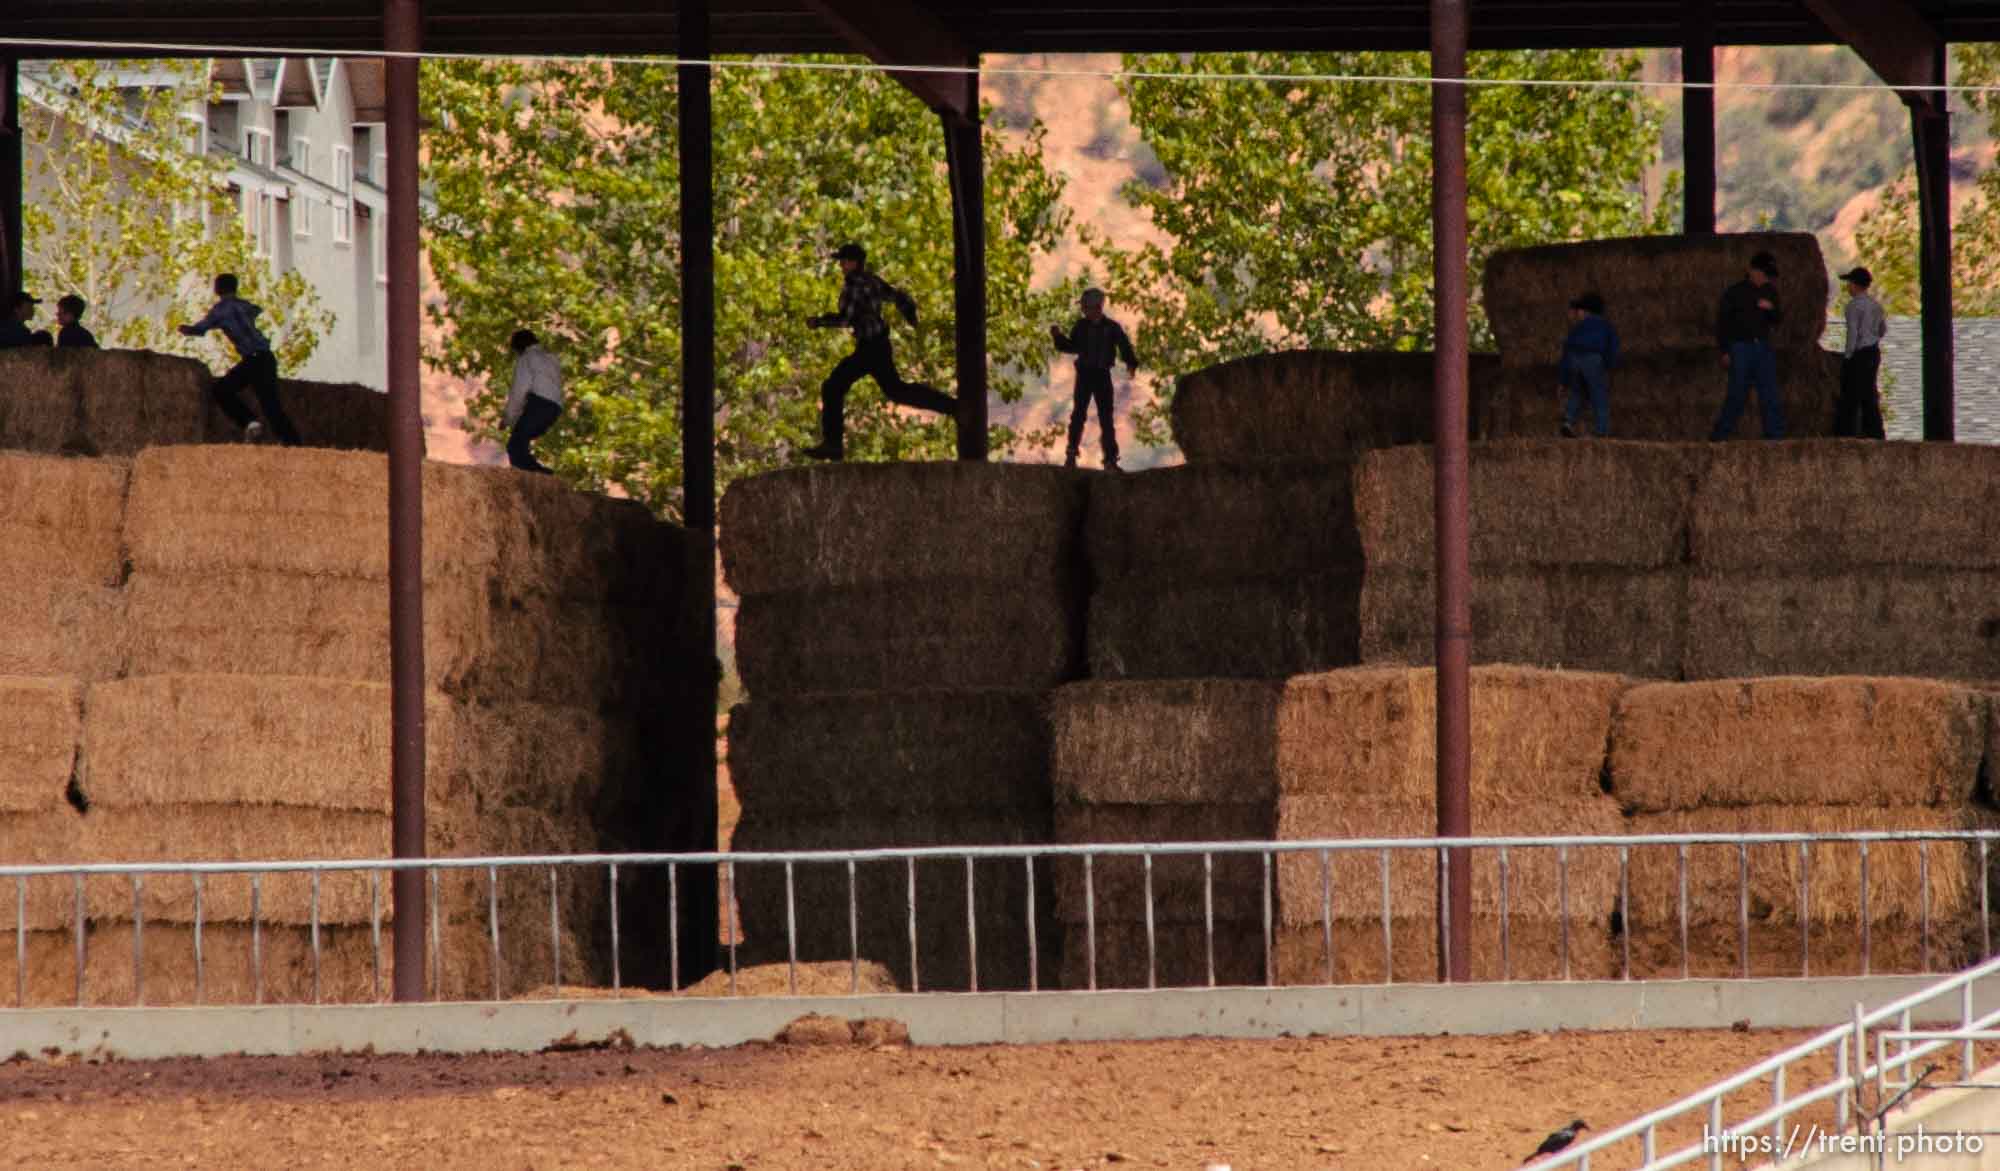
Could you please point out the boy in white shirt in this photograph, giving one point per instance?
(534, 402)
(1859, 409)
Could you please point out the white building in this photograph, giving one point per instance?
(305, 145)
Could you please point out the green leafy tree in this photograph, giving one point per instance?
(124, 213)
(1886, 239)
(1299, 214)
(558, 209)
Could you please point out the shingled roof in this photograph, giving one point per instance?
(1977, 358)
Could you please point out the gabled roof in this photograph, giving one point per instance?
(1976, 360)
(297, 87)
(233, 75)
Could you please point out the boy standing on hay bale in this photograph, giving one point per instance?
(1589, 352)
(1097, 341)
(1860, 401)
(1743, 332)
(256, 366)
(861, 299)
(69, 315)
(534, 402)
(14, 331)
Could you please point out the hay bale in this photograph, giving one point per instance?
(1661, 291)
(1876, 742)
(892, 638)
(476, 645)
(1258, 627)
(1831, 948)
(850, 525)
(1172, 742)
(1634, 622)
(1533, 875)
(51, 837)
(60, 629)
(38, 742)
(325, 513)
(1535, 503)
(99, 402)
(279, 971)
(337, 415)
(1117, 885)
(62, 520)
(1667, 396)
(1180, 955)
(820, 906)
(1200, 521)
(866, 753)
(1922, 623)
(1895, 891)
(1369, 735)
(1846, 506)
(1309, 405)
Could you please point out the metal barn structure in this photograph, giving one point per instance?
(935, 47)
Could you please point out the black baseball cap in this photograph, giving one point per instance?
(1859, 276)
(853, 252)
(1765, 263)
(20, 299)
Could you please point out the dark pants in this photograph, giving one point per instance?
(1860, 403)
(872, 359)
(537, 416)
(260, 373)
(1587, 380)
(1093, 385)
(1751, 363)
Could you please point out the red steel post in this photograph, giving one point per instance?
(403, 33)
(1454, 575)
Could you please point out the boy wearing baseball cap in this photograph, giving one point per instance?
(1743, 332)
(14, 331)
(862, 296)
(1858, 412)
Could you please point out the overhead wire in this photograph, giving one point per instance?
(144, 48)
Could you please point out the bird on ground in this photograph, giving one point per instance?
(1560, 1139)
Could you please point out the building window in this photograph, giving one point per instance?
(302, 199)
(257, 147)
(343, 182)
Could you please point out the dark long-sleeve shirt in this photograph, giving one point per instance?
(237, 319)
(1740, 320)
(861, 301)
(15, 334)
(1592, 335)
(1097, 344)
(75, 336)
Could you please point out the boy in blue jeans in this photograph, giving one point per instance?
(1589, 352)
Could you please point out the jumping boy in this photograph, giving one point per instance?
(1589, 352)
(256, 366)
(69, 315)
(1097, 341)
(861, 298)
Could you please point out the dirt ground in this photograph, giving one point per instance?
(1464, 1103)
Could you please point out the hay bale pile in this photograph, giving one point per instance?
(1309, 405)
(62, 524)
(235, 706)
(119, 402)
(1661, 293)
(1846, 559)
(1578, 554)
(1804, 755)
(899, 629)
(1213, 570)
(1346, 754)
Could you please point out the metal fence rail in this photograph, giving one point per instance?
(1862, 1090)
(1368, 903)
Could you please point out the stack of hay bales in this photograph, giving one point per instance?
(1846, 559)
(1578, 554)
(1662, 293)
(242, 713)
(1223, 570)
(1821, 755)
(62, 524)
(1309, 405)
(118, 402)
(1346, 754)
(899, 629)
